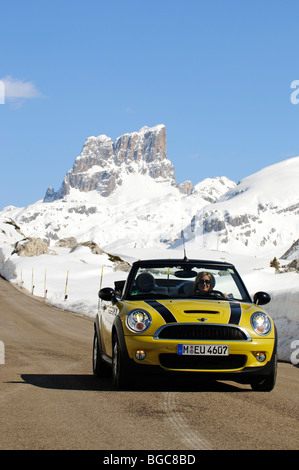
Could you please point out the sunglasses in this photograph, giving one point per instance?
(202, 282)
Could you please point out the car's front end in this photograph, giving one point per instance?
(164, 323)
(199, 337)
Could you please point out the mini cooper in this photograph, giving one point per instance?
(187, 316)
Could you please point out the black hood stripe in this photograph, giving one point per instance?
(235, 313)
(164, 312)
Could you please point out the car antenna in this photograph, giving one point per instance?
(183, 238)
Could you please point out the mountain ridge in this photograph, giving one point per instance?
(102, 163)
(259, 214)
(140, 204)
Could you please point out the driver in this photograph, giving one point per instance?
(203, 283)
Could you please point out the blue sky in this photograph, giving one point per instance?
(217, 73)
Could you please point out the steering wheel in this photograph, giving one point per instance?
(216, 293)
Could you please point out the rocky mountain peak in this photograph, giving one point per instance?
(102, 163)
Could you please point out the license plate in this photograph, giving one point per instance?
(203, 349)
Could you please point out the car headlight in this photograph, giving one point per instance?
(138, 320)
(261, 323)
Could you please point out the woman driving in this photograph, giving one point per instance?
(204, 283)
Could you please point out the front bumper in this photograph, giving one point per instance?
(163, 353)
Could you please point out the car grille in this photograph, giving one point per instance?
(231, 362)
(202, 332)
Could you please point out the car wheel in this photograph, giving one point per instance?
(100, 368)
(120, 373)
(267, 383)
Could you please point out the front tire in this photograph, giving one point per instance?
(267, 383)
(120, 372)
(100, 368)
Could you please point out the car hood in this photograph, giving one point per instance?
(195, 311)
(212, 311)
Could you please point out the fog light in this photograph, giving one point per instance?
(260, 356)
(140, 354)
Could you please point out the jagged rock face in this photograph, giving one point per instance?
(102, 163)
(148, 145)
(90, 170)
(292, 252)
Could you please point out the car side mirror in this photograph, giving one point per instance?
(107, 294)
(261, 298)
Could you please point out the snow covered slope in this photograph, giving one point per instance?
(142, 212)
(259, 216)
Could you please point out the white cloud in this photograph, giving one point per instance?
(16, 90)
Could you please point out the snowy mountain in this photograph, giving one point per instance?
(259, 216)
(102, 163)
(124, 195)
(120, 195)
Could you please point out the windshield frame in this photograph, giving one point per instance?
(184, 264)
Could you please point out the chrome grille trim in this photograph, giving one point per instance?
(198, 327)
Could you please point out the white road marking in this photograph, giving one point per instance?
(191, 438)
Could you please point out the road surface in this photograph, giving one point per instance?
(50, 400)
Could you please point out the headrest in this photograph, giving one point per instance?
(145, 282)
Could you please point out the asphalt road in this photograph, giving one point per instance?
(49, 398)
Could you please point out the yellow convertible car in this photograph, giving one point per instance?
(189, 316)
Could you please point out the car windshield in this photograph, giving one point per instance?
(184, 281)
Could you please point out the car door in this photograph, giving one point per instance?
(107, 313)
